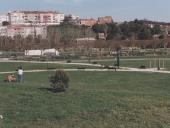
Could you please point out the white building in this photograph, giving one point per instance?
(73, 17)
(3, 30)
(3, 18)
(26, 23)
(24, 31)
(50, 52)
(35, 18)
(33, 52)
(42, 52)
(16, 18)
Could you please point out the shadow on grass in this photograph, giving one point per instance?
(5, 83)
(52, 90)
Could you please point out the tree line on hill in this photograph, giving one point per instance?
(134, 33)
(19, 43)
(137, 29)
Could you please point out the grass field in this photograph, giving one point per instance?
(12, 66)
(135, 63)
(94, 100)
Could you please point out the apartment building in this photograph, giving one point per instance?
(72, 19)
(101, 20)
(23, 30)
(105, 20)
(88, 22)
(26, 23)
(35, 17)
(3, 30)
(3, 18)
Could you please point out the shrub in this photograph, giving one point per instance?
(59, 81)
(94, 62)
(142, 67)
(68, 61)
(81, 68)
(106, 66)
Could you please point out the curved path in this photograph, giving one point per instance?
(123, 69)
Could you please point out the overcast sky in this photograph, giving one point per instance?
(120, 10)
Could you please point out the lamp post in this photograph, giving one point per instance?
(158, 64)
(118, 58)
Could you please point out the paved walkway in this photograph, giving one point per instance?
(122, 69)
(52, 62)
(149, 70)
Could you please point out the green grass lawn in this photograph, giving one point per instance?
(94, 100)
(135, 63)
(12, 66)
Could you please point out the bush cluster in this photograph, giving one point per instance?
(59, 81)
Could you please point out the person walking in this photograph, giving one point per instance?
(20, 74)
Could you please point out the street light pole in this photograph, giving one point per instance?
(118, 58)
(158, 63)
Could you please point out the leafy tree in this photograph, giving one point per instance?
(124, 27)
(144, 34)
(113, 31)
(156, 29)
(100, 28)
(5, 23)
(138, 29)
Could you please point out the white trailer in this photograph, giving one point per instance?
(33, 52)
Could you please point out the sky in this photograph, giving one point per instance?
(120, 10)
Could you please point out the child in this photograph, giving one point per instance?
(20, 74)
